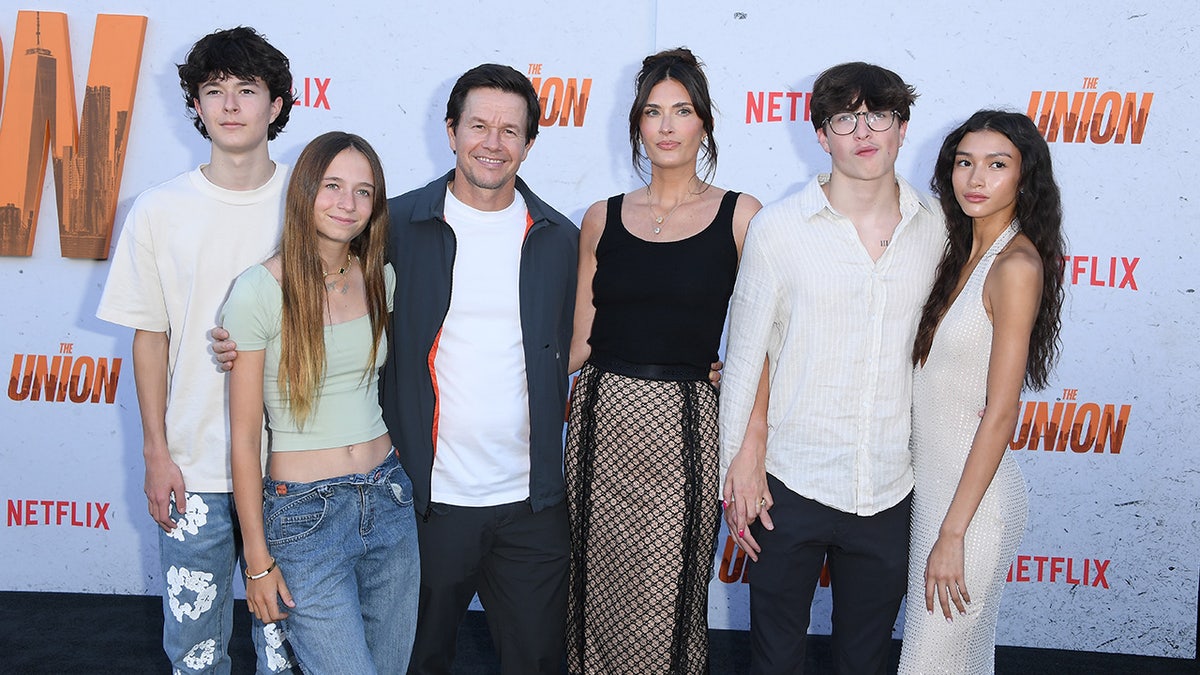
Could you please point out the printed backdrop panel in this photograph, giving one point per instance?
(1108, 561)
(72, 477)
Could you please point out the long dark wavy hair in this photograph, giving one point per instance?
(1039, 212)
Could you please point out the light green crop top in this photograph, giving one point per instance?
(347, 404)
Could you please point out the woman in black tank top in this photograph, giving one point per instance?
(656, 270)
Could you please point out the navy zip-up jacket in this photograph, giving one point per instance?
(422, 249)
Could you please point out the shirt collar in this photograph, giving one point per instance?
(812, 199)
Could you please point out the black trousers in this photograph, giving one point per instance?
(517, 561)
(868, 568)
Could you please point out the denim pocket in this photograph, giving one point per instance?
(294, 517)
(401, 487)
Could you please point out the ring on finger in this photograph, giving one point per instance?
(762, 502)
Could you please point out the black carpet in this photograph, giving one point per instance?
(77, 633)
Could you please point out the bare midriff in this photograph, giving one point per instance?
(306, 466)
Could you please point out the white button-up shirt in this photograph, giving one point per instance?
(838, 330)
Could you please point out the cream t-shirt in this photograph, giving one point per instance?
(181, 247)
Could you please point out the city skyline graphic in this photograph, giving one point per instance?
(39, 124)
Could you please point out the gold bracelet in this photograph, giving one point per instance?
(260, 575)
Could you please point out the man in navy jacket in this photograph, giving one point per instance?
(475, 386)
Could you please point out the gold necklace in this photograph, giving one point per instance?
(341, 271)
(341, 277)
(659, 221)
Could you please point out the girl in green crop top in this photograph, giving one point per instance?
(329, 532)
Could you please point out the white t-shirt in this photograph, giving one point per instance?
(179, 251)
(482, 454)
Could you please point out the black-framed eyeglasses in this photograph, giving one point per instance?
(844, 123)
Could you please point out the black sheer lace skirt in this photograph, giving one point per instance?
(642, 493)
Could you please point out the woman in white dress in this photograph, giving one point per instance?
(989, 327)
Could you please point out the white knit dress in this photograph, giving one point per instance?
(948, 393)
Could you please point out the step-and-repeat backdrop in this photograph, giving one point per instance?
(92, 115)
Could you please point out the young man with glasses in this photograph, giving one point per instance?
(829, 292)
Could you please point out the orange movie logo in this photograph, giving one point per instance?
(64, 377)
(777, 106)
(59, 512)
(1067, 423)
(41, 123)
(733, 567)
(1047, 569)
(563, 101)
(1090, 115)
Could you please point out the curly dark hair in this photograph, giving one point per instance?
(240, 53)
(1039, 212)
(681, 65)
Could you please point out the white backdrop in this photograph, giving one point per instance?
(1109, 560)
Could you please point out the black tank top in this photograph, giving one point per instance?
(663, 302)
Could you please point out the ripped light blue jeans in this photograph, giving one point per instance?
(347, 549)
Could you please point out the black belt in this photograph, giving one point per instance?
(648, 371)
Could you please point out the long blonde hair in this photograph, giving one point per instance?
(302, 357)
